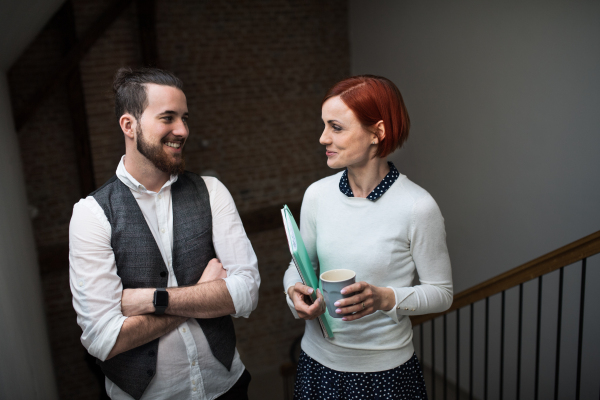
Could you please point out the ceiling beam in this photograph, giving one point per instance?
(76, 103)
(71, 60)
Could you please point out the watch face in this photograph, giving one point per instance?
(161, 298)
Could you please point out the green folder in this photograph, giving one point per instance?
(303, 264)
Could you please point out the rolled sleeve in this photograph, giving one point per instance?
(233, 249)
(94, 282)
(242, 296)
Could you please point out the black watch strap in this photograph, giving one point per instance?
(161, 301)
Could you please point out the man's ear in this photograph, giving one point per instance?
(128, 125)
(379, 131)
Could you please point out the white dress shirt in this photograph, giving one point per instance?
(185, 368)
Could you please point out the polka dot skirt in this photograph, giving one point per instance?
(383, 186)
(315, 381)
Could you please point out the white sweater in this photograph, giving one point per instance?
(385, 242)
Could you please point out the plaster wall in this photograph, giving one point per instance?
(25, 363)
(503, 99)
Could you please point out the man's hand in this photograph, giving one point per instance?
(213, 271)
(306, 311)
(209, 298)
(141, 301)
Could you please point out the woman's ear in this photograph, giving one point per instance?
(378, 132)
(128, 125)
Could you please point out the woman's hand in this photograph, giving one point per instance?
(366, 300)
(306, 311)
(214, 270)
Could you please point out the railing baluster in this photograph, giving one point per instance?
(537, 340)
(558, 332)
(457, 388)
(520, 337)
(421, 345)
(537, 268)
(580, 342)
(471, 354)
(485, 355)
(433, 358)
(501, 391)
(445, 360)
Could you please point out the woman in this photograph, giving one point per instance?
(371, 219)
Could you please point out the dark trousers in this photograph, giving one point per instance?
(239, 391)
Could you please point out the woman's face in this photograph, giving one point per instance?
(347, 143)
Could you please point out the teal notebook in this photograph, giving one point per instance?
(303, 264)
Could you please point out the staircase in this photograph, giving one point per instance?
(530, 333)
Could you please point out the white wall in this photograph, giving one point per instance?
(504, 100)
(25, 362)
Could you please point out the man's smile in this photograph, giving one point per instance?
(174, 145)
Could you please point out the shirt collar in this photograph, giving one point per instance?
(383, 186)
(133, 183)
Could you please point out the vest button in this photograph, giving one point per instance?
(163, 274)
(151, 353)
(150, 372)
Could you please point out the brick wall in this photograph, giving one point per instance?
(254, 74)
(265, 338)
(254, 80)
(118, 47)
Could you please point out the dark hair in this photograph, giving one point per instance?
(130, 92)
(373, 99)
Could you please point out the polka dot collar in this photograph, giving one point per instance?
(383, 186)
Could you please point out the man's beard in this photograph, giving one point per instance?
(158, 156)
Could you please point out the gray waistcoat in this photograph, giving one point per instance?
(140, 265)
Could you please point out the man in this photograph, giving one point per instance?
(155, 226)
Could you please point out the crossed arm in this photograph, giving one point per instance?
(209, 298)
(114, 320)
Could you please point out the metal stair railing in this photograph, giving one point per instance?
(505, 381)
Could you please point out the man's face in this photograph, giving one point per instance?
(162, 129)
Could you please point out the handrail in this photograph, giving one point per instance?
(566, 255)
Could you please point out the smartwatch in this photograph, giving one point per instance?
(161, 301)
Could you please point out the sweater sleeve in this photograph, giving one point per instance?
(427, 237)
(308, 230)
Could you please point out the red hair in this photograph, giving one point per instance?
(373, 99)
